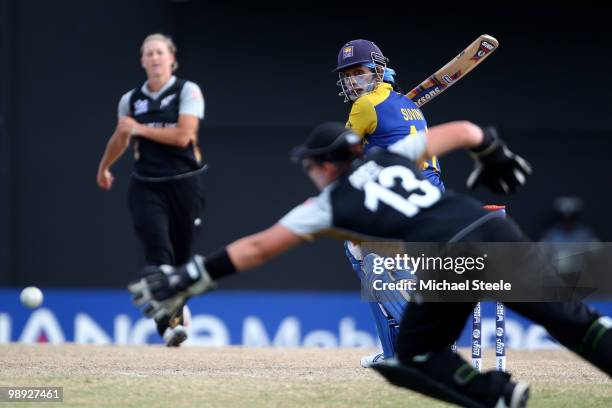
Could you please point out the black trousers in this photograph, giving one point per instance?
(166, 217)
(435, 326)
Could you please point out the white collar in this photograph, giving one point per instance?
(154, 95)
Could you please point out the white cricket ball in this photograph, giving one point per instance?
(31, 297)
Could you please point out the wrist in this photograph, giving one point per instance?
(219, 264)
(195, 279)
(488, 142)
(136, 130)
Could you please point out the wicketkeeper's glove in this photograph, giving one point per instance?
(496, 166)
(164, 289)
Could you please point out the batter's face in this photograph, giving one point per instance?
(358, 80)
(157, 59)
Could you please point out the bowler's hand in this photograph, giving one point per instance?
(128, 126)
(105, 179)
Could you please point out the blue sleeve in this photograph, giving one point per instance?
(434, 178)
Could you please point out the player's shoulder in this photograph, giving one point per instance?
(312, 216)
(370, 100)
(379, 95)
(363, 102)
(127, 95)
(123, 107)
(188, 83)
(192, 90)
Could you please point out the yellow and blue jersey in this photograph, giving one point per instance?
(383, 116)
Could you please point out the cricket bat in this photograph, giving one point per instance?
(454, 70)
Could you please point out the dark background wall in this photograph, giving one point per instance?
(265, 73)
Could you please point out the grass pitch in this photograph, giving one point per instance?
(155, 376)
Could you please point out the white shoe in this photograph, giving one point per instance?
(175, 336)
(177, 332)
(367, 361)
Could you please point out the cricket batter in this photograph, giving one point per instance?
(380, 115)
(383, 194)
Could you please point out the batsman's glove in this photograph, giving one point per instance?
(164, 289)
(496, 166)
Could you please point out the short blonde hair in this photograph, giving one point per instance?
(167, 40)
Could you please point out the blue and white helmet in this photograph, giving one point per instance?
(360, 52)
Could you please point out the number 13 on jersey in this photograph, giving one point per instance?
(380, 190)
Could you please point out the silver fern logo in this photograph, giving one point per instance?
(167, 100)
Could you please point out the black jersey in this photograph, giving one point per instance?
(154, 159)
(384, 196)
